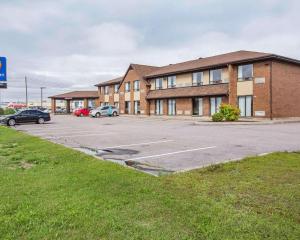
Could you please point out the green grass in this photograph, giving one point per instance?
(48, 191)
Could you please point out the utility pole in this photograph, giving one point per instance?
(26, 92)
(42, 95)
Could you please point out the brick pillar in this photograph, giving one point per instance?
(85, 103)
(232, 92)
(53, 105)
(68, 107)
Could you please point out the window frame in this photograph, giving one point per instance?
(242, 78)
(201, 80)
(245, 97)
(160, 81)
(216, 104)
(116, 86)
(106, 88)
(127, 84)
(169, 100)
(173, 81)
(134, 85)
(211, 76)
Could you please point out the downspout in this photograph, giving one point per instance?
(271, 96)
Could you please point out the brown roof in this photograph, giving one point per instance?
(205, 90)
(218, 60)
(143, 70)
(110, 82)
(77, 94)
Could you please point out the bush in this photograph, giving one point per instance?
(218, 117)
(230, 113)
(1, 111)
(9, 111)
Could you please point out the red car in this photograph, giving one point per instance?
(80, 112)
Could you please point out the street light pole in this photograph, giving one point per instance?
(42, 95)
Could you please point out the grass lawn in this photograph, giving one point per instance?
(48, 191)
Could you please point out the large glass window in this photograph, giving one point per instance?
(197, 78)
(127, 107)
(215, 103)
(171, 81)
(106, 90)
(215, 76)
(171, 107)
(245, 72)
(159, 107)
(116, 88)
(245, 106)
(158, 83)
(127, 87)
(136, 107)
(136, 85)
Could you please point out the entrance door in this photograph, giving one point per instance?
(127, 107)
(198, 106)
(245, 106)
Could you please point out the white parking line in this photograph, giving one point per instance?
(172, 153)
(137, 144)
(81, 135)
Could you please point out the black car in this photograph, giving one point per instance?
(26, 116)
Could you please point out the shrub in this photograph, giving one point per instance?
(230, 113)
(1, 111)
(218, 117)
(8, 111)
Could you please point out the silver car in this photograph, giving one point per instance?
(107, 110)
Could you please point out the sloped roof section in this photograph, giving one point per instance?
(222, 59)
(77, 94)
(110, 82)
(143, 70)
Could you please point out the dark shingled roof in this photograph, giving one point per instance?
(214, 61)
(110, 82)
(77, 94)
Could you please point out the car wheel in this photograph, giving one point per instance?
(98, 115)
(11, 122)
(41, 121)
(115, 114)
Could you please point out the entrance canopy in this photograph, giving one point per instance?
(84, 99)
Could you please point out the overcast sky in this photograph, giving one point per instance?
(71, 44)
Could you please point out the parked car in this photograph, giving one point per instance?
(105, 111)
(25, 116)
(80, 112)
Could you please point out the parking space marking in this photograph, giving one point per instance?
(172, 153)
(81, 135)
(137, 144)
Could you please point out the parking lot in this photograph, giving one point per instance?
(163, 145)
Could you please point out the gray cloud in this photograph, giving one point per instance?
(73, 44)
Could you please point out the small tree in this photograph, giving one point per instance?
(218, 117)
(230, 113)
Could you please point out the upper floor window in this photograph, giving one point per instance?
(197, 78)
(127, 87)
(106, 90)
(171, 81)
(158, 83)
(116, 88)
(136, 85)
(245, 72)
(215, 76)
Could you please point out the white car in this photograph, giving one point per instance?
(104, 111)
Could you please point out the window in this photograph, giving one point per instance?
(136, 107)
(116, 88)
(158, 83)
(197, 78)
(171, 107)
(215, 103)
(127, 87)
(215, 76)
(116, 104)
(106, 103)
(171, 81)
(245, 106)
(127, 107)
(245, 72)
(198, 106)
(136, 85)
(106, 90)
(159, 107)
(104, 108)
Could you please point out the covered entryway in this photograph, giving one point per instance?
(67, 102)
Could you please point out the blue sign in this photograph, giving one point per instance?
(3, 69)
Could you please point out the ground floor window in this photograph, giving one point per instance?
(106, 103)
(245, 106)
(127, 107)
(198, 106)
(91, 103)
(137, 107)
(171, 107)
(159, 107)
(116, 104)
(215, 103)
